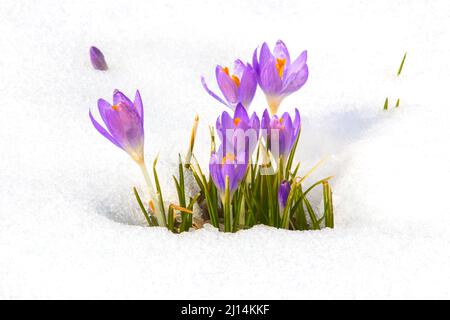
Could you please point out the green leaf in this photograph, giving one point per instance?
(159, 193)
(401, 65)
(138, 198)
(386, 103)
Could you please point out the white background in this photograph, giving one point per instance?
(69, 227)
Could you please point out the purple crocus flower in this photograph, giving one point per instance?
(97, 59)
(239, 132)
(283, 194)
(231, 166)
(281, 131)
(124, 122)
(276, 75)
(239, 87)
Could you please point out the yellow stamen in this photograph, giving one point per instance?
(236, 121)
(115, 107)
(233, 77)
(236, 80)
(281, 63)
(228, 157)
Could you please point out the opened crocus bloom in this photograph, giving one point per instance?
(239, 87)
(238, 133)
(124, 122)
(276, 75)
(280, 133)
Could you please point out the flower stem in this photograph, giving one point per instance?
(151, 192)
(226, 201)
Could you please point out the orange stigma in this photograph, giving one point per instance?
(236, 121)
(236, 80)
(226, 70)
(281, 63)
(115, 107)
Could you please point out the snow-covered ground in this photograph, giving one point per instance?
(69, 227)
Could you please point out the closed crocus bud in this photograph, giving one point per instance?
(97, 59)
(283, 194)
(124, 123)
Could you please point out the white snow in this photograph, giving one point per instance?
(69, 226)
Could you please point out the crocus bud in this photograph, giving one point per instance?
(97, 59)
(283, 194)
(124, 123)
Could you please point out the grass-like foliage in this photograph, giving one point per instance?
(255, 201)
(253, 178)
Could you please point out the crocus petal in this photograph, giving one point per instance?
(138, 105)
(298, 64)
(271, 83)
(125, 126)
(264, 55)
(295, 81)
(241, 113)
(255, 63)
(103, 105)
(296, 124)
(283, 194)
(287, 133)
(281, 52)
(248, 85)
(265, 120)
(212, 94)
(254, 123)
(215, 171)
(241, 169)
(119, 97)
(226, 86)
(226, 121)
(103, 131)
(97, 59)
(238, 68)
(228, 170)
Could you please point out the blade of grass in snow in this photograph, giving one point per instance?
(141, 205)
(401, 65)
(159, 193)
(386, 103)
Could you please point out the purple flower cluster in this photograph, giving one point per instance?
(239, 136)
(273, 71)
(239, 133)
(281, 133)
(278, 78)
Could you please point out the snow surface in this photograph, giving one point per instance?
(69, 227)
